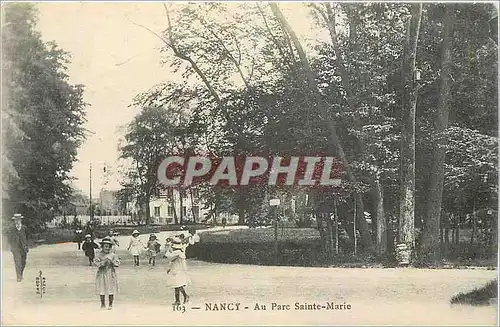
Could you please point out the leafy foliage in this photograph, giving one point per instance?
(42, 118)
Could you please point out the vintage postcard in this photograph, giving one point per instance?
(249, 163)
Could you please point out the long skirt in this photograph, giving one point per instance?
(177, 276)
(106, 281)
(135, 250)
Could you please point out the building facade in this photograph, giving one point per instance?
(168, 204)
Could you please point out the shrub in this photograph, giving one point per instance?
(479, 296)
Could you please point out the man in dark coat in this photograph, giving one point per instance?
(18, 240)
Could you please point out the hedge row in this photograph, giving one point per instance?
(306, 254)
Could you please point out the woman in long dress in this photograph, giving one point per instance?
(136, 246)
(177, 277)
(106, 280)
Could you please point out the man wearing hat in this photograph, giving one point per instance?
(18, 240)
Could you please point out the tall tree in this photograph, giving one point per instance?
(431, 232)
(42, 117)
(149, 138)
(409, 103)
(334, 139)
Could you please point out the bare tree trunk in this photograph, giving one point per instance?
(336, 223)
(148, 209)
(192, 204)
(407, 193)
(329, 229)
(172, 203)
(181, 204)
(430, 233)
(381, 219)
(474, 225)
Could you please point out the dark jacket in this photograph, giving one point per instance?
(88, 247)
(18, 239)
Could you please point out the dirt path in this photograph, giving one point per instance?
(376, 296)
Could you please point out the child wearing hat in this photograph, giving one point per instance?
(177, 277)
(115, 240)
(135, 246)
(153, 248)
(106, 281)
(89, 247)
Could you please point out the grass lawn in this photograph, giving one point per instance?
(262, 235)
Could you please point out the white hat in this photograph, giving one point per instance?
(17, 216)
(135, 232)
(88, 235)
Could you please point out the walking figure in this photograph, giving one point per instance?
(177, 277)
(153, 249)
(116, 241)
(135, 246)
(106, 280)
(89, 247)
(79, 237)
(18, 241)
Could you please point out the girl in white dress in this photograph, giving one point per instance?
(177, 277)
(135, 246)
(106, 281)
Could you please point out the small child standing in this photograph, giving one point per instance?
(116, 241)
(135, 246)
(177, 276)
(153, 249)
(88, 247)
(106, 281)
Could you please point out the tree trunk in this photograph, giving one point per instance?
(473, 217)
(336, 225)
(329, 229)
(430, 233)
(381, 219)
(192, 204)
(172, 204)
(148, 210)
(181, 204)
(407, 193)
(334, 140)
(322, 235)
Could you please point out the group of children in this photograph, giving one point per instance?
(106, 282)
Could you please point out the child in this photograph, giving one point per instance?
(106, 281)
(135, 246)
(116, 242)
(79, 237)
(153, 248)
(88, 247)
(177, 271)
(168, 245)
(193, 238)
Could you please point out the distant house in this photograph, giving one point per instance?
(166, 205)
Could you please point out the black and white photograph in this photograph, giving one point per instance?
(249, 163)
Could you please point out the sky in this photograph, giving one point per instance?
(115, 60)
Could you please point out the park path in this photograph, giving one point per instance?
(377, 296)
